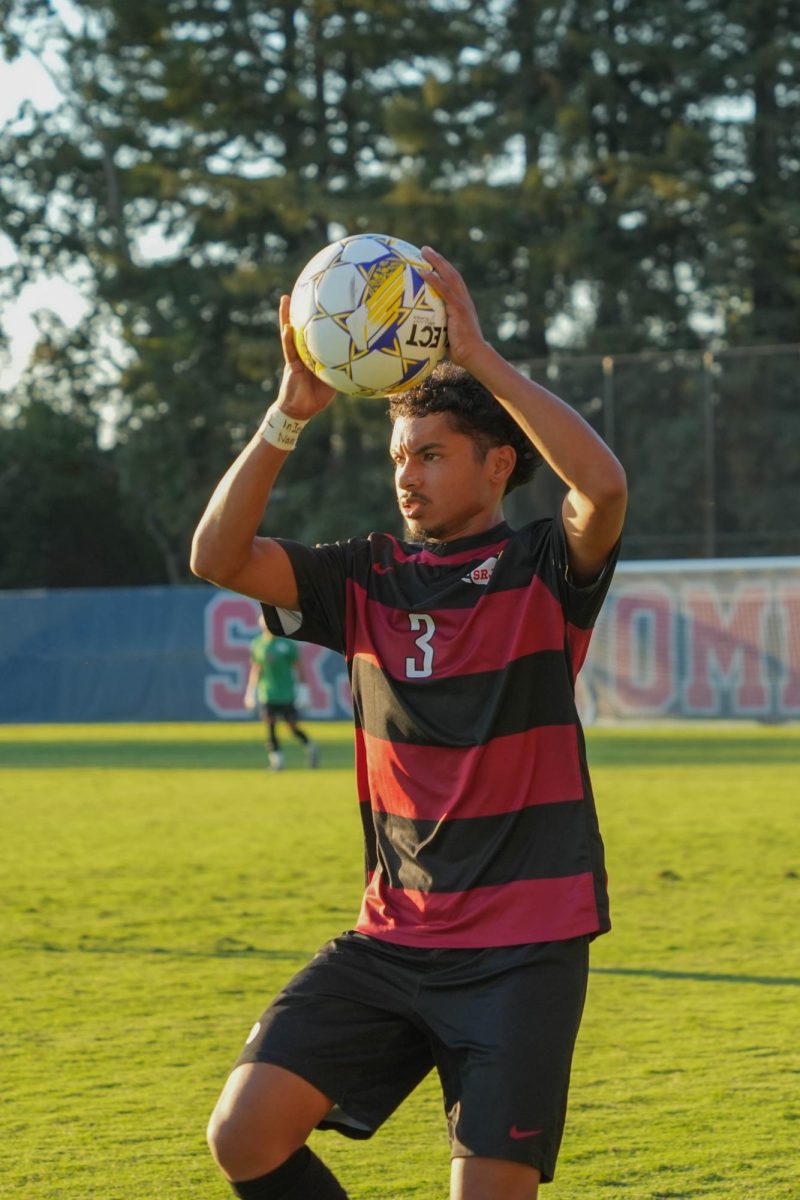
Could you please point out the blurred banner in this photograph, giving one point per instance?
(684, 639)
(140, 654)
(698, 638)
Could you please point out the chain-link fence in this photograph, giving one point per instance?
(710, 443)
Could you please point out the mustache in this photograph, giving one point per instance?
(401, 496)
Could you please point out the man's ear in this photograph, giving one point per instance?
(502, 460)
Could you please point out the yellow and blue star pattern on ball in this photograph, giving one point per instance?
(365, 320)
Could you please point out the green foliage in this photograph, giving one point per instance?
(341, 485)
(63, 517)
(162, 886)
(609, 178)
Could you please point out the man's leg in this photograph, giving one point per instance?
(261, 1121)
(491, 1178)
(312, 753)
(342, 1028)
(275, 755)
(506, 1096)
(298, 732)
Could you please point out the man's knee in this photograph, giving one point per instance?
(488, 1178)
(223, 1138)
(262, 1117)
(246, 1143)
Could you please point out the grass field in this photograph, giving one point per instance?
(159, 885)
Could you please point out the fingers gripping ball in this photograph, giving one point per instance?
(364, 319)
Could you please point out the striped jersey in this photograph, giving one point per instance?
(479, 820)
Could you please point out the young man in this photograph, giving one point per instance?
(485, 866)
(276, 674)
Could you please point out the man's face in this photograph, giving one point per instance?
(444, 489)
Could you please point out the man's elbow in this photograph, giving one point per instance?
(611, 492)
(207, 563)
(199, 566)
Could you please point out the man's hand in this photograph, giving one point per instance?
(464, 336)
(301, 394)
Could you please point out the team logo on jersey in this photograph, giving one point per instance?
(482, 573)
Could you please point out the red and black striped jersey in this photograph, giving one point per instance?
(479, 820)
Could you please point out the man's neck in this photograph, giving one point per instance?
(472, 527)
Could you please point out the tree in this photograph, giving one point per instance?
(609, 178)
(241, 136)
(64, 520)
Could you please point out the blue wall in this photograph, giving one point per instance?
(139, 654)
(700, 639)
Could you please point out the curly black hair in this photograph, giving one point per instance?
(472, 410)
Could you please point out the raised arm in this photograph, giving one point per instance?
(594, 506)
(226, 549)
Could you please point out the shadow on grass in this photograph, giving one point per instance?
(605, 750)
(231, 948)
(218, 951)
(165, 755)
(698, 976)
(699, 749)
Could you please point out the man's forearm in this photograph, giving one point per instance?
(566, 442)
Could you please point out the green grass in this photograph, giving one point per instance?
(160, 885)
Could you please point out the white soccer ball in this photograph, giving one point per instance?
(364, 319)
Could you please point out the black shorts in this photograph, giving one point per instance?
(366, 1021)
(279, 712)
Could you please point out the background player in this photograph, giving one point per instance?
(485, 864)
(275, 682)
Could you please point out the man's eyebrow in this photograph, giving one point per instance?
(420, 449)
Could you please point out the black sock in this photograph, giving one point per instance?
(302, 1177)
(301, 737)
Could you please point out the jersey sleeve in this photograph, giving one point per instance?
(321, 573)
(581, 604)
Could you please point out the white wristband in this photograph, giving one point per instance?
(279, 430)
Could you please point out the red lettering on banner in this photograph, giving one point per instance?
(644, 658)
(726, 649)
(789, 611)
(231, 623)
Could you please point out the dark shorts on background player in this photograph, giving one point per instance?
(279, 712)
(366, 1021)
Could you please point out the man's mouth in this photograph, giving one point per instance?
(412, 503)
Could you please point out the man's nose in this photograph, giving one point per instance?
(408, 474)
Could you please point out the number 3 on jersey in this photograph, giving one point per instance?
(416, 669)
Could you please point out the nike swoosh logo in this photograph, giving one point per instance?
(523, 1133)
(381, 569)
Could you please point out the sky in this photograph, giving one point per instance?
(26, 79)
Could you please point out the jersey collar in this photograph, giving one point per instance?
(489, 536)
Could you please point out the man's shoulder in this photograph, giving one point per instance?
(534, 532)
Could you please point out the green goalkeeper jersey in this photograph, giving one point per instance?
(277, 659)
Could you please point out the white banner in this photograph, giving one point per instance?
(710, 638)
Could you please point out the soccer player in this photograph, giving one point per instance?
(485, 877)
(275, 673)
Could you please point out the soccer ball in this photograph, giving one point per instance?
(364, 319)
